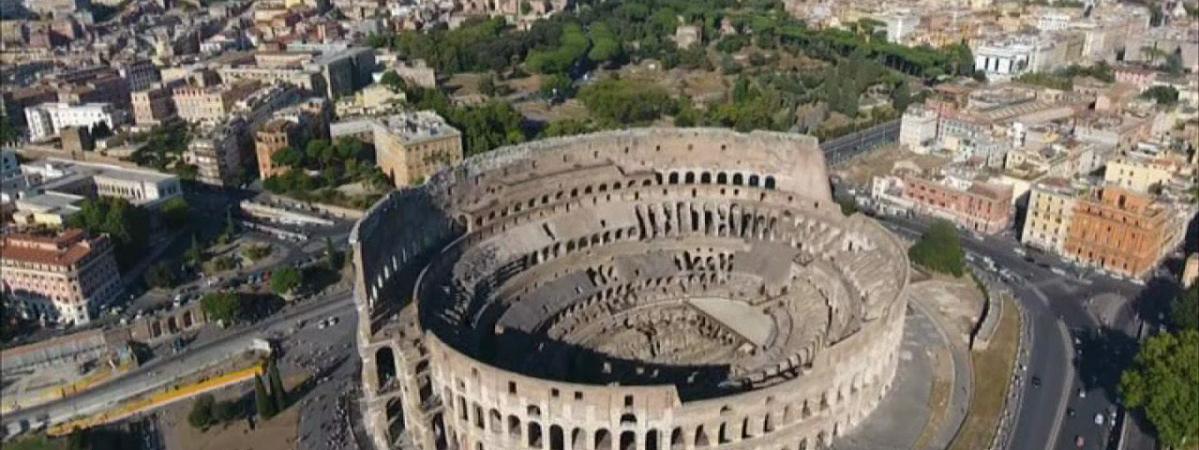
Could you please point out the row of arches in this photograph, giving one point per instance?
(727, 178)
(751, 180)
(530, 431)
(493, 430)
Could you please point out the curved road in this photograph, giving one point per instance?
(1057, 314)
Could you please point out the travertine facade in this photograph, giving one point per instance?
(632, 290)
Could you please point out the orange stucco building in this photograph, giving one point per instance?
(1120, 231)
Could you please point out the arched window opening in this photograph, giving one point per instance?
(628, 440)
(385, 366)
(534, 435)
(603, 439)
(651, 440)
(557, 438)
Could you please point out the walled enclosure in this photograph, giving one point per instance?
(648, 289)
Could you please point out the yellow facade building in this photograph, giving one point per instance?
(1050, 210)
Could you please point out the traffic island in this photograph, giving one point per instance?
(992, 371)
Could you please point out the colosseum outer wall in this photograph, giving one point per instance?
(445, 399)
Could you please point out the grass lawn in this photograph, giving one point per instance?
(992, 369)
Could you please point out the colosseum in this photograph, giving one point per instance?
(645, 289)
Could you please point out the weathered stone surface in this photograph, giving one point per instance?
(647, 289)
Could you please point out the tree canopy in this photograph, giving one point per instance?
(127, 225)
(626, 102)
(8, 133)
(1184, 310)
(223, 306)
(285, 280)
(1164, 383)
(1163, 95)
(939, 250)
(175, 212)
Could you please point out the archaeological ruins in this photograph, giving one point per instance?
(647, 289)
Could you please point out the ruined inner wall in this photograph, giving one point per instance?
(635, 289)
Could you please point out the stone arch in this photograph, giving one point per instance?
(495, 420)
(557, 438)
(674, 178)
(172, 325)
(578, 440)
(676, 439)
(514, 427)
(705, 178)
(754, 180)
(651, 439)
(385, 366)
(603, 439)
(534, 435)
(188, 320)
(689, 178)
(770, 182)
(738, 179)
(701, 437)
(722, 178)
(628, 440)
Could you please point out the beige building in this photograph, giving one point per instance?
(152, 106)
(1137, 173)
(410, 147)
(1050, 210)
(62, 278)
(210, 103)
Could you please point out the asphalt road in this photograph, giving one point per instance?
(1059, 319)
(329, 355)
(160, 372)
(841, 149)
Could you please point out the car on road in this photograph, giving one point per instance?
(1082, 393)
(1070, 412)
(1080, 442)
(1099, 418)
(1036, 382)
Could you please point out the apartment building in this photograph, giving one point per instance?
(210, 103)
(152, 106)
(1120, 231)
(977, 206)
(1051, 204)
(409, 147)
(217, 152)
(1139, 172)
(62, 278)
